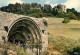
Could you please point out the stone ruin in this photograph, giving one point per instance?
(24, 30)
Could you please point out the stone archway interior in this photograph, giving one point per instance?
(25, 33)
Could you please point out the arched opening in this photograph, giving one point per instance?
(26, 32)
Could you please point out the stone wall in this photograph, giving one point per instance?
(6, 19)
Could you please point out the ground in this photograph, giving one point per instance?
(70, 30)
(62, 36)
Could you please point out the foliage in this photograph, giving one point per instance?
(54, 11)
(64, 45)
(61, 14)
(49, 15)
(36, 10)
(37, 15)
(75, 51)
(72, 16)
(18, 49)
(47, 8)
(73, 11)
(66, 20)
(45, 23)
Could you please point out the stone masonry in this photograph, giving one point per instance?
(6, 20)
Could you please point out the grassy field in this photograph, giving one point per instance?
(63, 37)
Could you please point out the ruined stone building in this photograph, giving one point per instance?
(25, 30)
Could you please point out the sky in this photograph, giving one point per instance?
(69, 3)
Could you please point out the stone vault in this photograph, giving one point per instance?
(24, 30)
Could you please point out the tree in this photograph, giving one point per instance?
(10, 7)
(34, 5)
(25, 7)
(71, 15)
(17, 7)
(73, 11)
(61, 14)
(66, 20)
(75, 51)
(54, 12)
(47, 8)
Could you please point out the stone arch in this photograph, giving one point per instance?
(25, 29)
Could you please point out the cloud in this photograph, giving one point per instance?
(54, 2)
(13, 2)
(47, 2)
(6, 2)
(51, 2)
(73, 4)
(53, 5)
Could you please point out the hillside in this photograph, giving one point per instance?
(63, 37)
(57, 28)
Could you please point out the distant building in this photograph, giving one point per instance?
(62, 8)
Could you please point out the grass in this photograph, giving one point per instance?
(13, 47)
(63, 37)
(63, 44)
(75, 29)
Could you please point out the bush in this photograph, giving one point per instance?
(71, 16)
(75, 51)
(65, 46)
(18, 49)
(49, 15)
(61, 15)
(66, 20)
(34, 15)
(38, 15)
(45, 23)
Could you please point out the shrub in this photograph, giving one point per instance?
(75, 51)
(61, 15)
(66, 20)
(61, 44)
(38, 15)
(34, 15)
(71, 16)
(49, 15)
(45, 23)
(18, 49)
